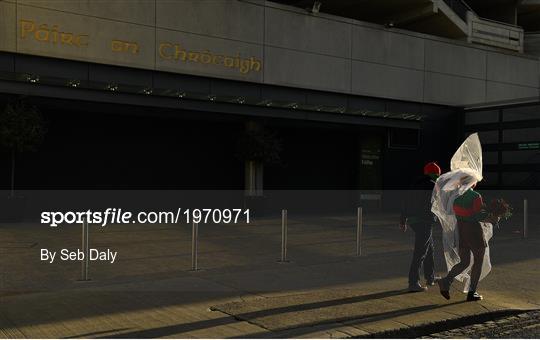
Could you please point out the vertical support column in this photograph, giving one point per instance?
(359, 227)
(284, 231)
(525, 218)
(86, 251)
(194, 246)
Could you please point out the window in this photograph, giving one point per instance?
(521, 135)
(481, 117)
(521, 113)
(403, 139)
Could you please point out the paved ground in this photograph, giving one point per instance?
(523, 325)
(242, 291)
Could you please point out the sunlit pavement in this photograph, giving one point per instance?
(242, 290)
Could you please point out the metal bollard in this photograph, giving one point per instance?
(86, 251)
(525, 218)
(194, 246)
(359, 227)
(284, 235)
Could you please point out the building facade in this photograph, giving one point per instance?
(160, 94)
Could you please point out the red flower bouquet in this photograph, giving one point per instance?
(499, 209)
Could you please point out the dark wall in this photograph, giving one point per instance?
(98, 145)
(315, 157)
(114, 150)
(438, 140)
(113, 146)
(104, 149)
(91, 146)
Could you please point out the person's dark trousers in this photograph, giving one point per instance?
(423, 254)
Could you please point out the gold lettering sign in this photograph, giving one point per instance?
(175, 52)
(43, 33)
(125, 46)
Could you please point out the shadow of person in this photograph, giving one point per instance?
(357, 319)
(313, 305)
(287, 331)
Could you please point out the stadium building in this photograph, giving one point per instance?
(254, 94)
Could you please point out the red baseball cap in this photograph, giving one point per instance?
(432, 168)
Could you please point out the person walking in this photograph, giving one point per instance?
(469, 211)
(416, 215)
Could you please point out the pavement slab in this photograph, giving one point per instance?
(366, 312)
(242, 291)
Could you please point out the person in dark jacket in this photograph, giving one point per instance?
(416, 214)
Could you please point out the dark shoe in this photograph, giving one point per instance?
(474, 296)
(433, 281)
(417, 288)
(445, 292)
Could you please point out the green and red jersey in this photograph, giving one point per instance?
(470, 207)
